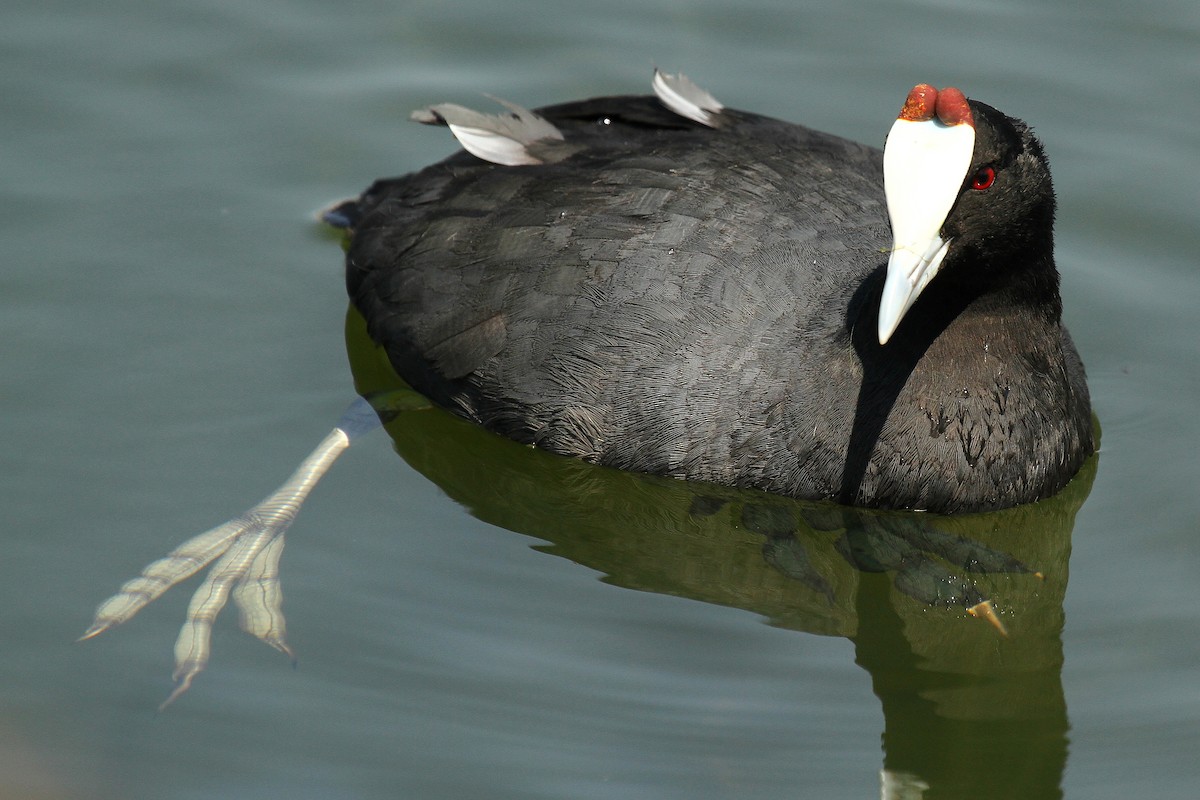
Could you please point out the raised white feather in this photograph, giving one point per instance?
(499, 138)
(686, 99)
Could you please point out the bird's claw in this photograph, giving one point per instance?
(244, 554)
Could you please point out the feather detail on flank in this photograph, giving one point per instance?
(687, 99)
(513, 139)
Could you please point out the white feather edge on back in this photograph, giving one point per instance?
(686, 99)
(505, 139)
(499, 138)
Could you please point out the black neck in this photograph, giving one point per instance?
(1030, 294)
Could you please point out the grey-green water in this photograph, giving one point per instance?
(172, 344)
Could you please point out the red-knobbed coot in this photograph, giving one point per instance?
(665, 285)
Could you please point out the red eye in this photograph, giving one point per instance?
(983, 179)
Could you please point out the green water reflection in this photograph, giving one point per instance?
(968, 711)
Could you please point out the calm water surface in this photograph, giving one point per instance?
(172, 339)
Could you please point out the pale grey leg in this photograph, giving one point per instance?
(246, 550)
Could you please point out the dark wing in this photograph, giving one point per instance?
(589, 305)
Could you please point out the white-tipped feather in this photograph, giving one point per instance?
(686, 98)
(499, 138)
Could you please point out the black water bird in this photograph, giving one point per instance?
(663, 285)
